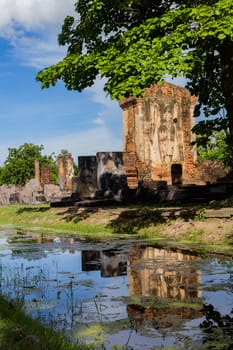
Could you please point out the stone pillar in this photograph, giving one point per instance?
(69, 172)
(61, 172)
(37, 170)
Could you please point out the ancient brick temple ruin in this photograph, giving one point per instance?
(159, 159)
(158, 151)
(157, 139)
(42, 175)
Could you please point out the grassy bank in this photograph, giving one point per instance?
(174, 226)
(43, 219)
(18, 332)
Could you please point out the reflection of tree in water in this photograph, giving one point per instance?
(26, 249)
(218, 329)
(29, 254)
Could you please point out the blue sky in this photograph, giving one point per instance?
(82, 123)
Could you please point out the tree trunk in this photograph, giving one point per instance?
(226, 56)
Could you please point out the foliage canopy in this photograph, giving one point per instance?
(135, 43)
(19, 167)
(215, 148)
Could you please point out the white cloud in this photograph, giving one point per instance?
(99, 121)
(32, 26)
(33, 14)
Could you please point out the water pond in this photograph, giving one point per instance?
(123, 293)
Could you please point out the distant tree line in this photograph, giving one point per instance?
(18, 168)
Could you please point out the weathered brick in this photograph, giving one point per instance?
(158, 138)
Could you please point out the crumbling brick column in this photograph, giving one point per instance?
(37, 170)
(69, 172)
(65, 171)
(61, 172)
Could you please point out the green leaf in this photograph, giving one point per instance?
(221, 36)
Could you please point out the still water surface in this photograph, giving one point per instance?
(123, 292)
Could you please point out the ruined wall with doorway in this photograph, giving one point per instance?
(157, 135)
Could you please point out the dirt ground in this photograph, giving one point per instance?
(212, 230)
(207, 225)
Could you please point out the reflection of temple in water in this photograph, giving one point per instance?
(90, 260)
(153, 273)
(108, 262)
(165, 275)
(162, 317)
(113, 264)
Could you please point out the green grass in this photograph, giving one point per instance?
(20, 332)
(155, 302)
(43, 219)
(193, 236)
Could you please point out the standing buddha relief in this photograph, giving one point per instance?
(166, 137)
